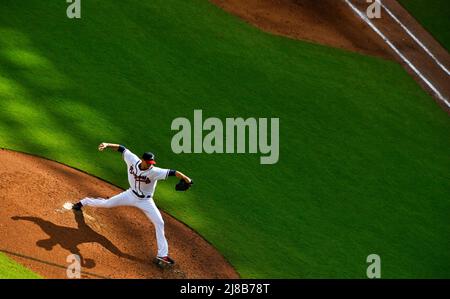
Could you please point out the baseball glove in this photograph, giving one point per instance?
(183, 186)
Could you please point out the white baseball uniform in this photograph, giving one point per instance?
(139, 195)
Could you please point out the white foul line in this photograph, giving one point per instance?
(416, 39)
(391, 45)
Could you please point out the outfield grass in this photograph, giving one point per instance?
(434, 15)
(9, 269)
(364, 150)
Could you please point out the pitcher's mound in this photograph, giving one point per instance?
(40, 231)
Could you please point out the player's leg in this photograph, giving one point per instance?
(152, 212)
(121, 199)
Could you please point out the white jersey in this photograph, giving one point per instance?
(143, 182)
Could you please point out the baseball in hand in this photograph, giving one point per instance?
(102, 146)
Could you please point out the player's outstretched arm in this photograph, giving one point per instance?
(182, 176)
(105, 145)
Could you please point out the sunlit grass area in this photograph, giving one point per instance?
(9, 269)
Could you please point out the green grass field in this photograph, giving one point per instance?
(363, 149)
(11, 270)
(434, 16)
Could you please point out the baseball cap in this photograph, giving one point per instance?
(149, 158)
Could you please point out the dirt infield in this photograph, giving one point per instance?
(113, 243)
(334, 23)
(327, 22)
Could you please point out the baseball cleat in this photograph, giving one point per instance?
(77, 206)
(165, 260)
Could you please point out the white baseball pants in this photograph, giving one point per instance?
(147, 205)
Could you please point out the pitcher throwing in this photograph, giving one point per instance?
(142, 177)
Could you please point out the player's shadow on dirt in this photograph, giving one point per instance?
(70, 238)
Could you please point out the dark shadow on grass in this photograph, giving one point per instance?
(70, 238)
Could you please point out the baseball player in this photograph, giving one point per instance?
(142, 177)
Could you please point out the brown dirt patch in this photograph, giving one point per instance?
(327, 22)
(113, 243)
